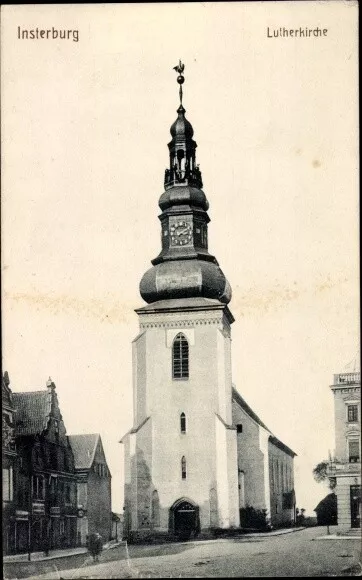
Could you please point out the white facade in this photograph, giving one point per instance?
(155, 447)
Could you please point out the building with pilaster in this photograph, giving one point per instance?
(345, 467)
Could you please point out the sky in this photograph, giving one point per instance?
(85, 127)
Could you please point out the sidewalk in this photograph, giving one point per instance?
(338, 537)
(273, 533)
(39, 556)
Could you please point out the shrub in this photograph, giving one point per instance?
(254, 518)
(95, 544)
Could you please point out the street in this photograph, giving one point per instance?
(295, 554)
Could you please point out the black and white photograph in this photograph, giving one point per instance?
(180, 290)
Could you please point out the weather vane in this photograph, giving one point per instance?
(180, 79)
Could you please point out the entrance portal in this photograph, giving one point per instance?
(355, 506)
(184, 518)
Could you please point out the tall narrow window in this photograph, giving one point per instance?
(38, 487)
(180, 357)
(352, 413)
(183, 422)
(183, 467)
(354, 456)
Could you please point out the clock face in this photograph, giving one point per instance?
(181, 233)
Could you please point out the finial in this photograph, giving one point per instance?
(180, 79)
(50, 383)
(6, 378)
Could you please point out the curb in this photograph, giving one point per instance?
(335, 537)
(22, 558)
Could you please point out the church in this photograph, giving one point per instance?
(198, 458)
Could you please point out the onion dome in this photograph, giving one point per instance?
(185, 279)
(184, 268)
(185, 195)
(181, 128)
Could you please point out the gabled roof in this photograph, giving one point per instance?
(243, 404)
(84, 448)
(32, 411)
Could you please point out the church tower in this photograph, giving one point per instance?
(181, 474)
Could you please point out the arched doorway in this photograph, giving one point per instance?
(184, 518)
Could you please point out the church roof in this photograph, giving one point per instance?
(243, 404)
(274, 440)
(32, 411)
(84, 448)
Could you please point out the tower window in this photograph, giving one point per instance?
(352, 413)
(239, 428)
(183, 422)
(180, 357)
(183, 467)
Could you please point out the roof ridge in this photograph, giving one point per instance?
(84, 434)
(43, 391)
(249, 410)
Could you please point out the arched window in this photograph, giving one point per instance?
(183, 467)
(183, 422)
(180, 357)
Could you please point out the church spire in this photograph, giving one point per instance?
(182, 169)
(184, 268)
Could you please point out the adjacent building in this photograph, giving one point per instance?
(265, 467)
(56, 488)
(197, 454)
(9, 463)
(45, 481)
(346, 466)
(93, 487)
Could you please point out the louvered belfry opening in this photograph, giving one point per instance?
(180, 357)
